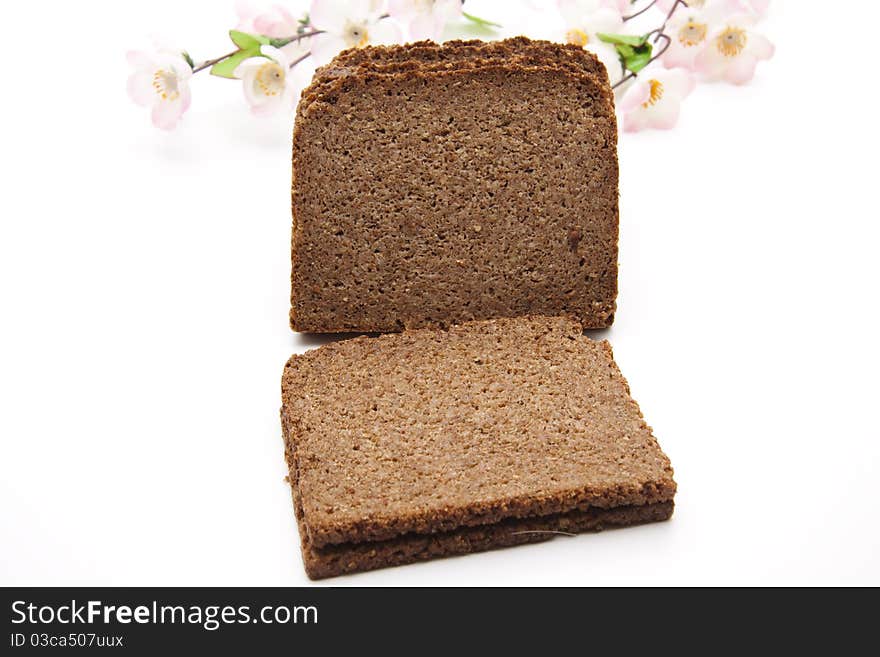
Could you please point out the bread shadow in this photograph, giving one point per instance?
(310, 340)
(598, 334)
(319, 339)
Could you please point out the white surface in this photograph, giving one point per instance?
(144, 300)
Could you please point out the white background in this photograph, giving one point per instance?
(144, 319)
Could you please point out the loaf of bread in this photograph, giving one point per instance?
(439, 184)
(434, 442)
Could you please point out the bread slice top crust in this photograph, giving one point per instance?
(487, 192)
(427, 55)
(431, 430)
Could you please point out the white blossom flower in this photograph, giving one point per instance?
(267, 81)
(584, 21)
(348, 24)
(733, 50)
(654, 100)
(160, 81)
(425, 19)
(689, 30)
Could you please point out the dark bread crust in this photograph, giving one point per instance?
(431, 432)
(569, 221)
(348, 558)
(428, 55)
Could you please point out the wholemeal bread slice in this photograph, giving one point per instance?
(428, 197)
(466, 437)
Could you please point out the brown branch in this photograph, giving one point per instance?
(210, 62)
(658, 33)
(640, 11)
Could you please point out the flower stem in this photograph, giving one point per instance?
(658, 33)
(210, 62)
(278, 43)
(299, 59)
(640, 11)
(283, 41)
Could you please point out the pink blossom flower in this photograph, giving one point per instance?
(160, 81)
(733, 51)
(267, 81)
(654, 101)
(425, 19)
(689, 30)
(348, 24)
(275, 21)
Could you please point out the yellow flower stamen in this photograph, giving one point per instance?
(356, 35)
(269, 80)
(692, 33)
(165, 84)
(577, 37)
(732, 41)
(655, 93)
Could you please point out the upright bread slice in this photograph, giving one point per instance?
(468, 437)
(438, 193)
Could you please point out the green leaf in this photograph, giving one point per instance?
(303, 24)
(634, 51)
(189, 60)
(639, 58)
(246, 41)
(623, 39)
(226, 68)
(482, 22)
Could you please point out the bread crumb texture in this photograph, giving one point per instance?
(431, 442)
(439, 184)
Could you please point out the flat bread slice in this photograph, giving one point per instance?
(423, 435)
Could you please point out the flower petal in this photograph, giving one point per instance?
(140, 88)
(635, 96)
(139, 59)
(425, 26)
(325, 47)
(274, 53)
(635, 120)
(760, 46)
(664, 115)
(251, 94)
(678, 56)
(185, 99)
(710, 62)
(573, 11)
(166, 114)
(402, 10)
(384, 33)
(741, 70)
(329, 15)
(249, 64)
(678, 82)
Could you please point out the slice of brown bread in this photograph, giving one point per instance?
(431, 197)
(432, 432)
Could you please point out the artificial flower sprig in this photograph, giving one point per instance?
(707, 40)
(697, 39)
